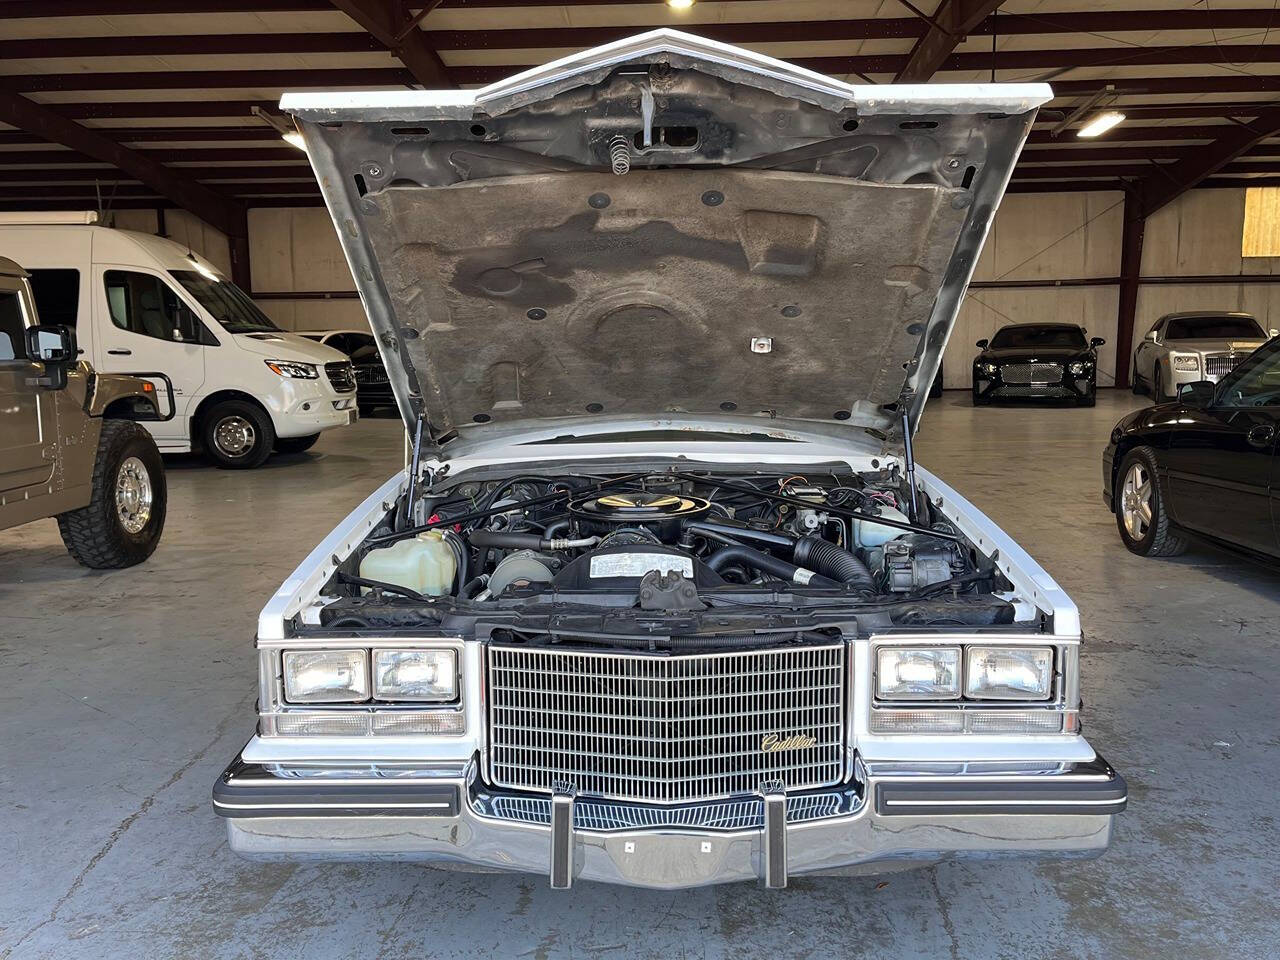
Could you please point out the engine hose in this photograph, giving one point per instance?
(721, 530)
(471, 587)
(555, 527)
(526, 541)
(759, 560)
(824, 557)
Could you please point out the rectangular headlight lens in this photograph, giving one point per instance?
(326, 676)
(910, 673)
(430, 675)
(1014, 673)
(1187, 363)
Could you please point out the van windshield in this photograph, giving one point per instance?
(226, 302)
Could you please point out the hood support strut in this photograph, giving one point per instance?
(909, 459)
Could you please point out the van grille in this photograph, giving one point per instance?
(666, 728)
(341, 377)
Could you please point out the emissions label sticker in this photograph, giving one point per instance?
(638, 564)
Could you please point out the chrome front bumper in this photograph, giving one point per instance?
(903, 814)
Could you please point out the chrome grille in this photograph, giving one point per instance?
(665, 728)
(603, 816)
(1221, 364)
(1031, 372)
(341, 377)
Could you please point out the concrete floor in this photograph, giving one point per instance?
(125, 693)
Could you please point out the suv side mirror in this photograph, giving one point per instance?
(51, 343)
(982, 344)
(1197, 394)
(1097, 342)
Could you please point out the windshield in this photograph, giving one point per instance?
(1039, 337)
(1214, 328)
(226, 302)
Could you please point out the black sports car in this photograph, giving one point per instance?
(1037, 360)
(1203, 466)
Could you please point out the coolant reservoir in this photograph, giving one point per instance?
(868, 533)
(425, 564)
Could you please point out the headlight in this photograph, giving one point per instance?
(415, 675)
(1186, 363)
(999, 673)
(988, 368)
(293, 370)
(326, 676)
(907, 673)
(1079, 368)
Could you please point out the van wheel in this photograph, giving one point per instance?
(122, 523)
(237, 435)
(296, 444)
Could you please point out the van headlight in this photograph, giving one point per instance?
(1008, 673)
(909, 673)
(430, 675)
(292, 370)
(326, 676)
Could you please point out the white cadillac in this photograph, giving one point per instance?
(661, 597)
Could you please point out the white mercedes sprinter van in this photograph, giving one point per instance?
(141, 304)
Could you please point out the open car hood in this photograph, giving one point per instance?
(784, 251)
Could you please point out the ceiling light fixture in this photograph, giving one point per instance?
(1100, 124)
(679, 4)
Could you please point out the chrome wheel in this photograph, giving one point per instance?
(234, 436)
(134, 495)
(1135, 501)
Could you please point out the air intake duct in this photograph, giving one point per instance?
(824, 557)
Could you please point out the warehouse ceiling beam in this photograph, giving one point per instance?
(384, 21)
(214, 208)
(952, 22)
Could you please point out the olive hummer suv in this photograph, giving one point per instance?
(70, 443)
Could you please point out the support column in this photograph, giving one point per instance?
(1135, 224)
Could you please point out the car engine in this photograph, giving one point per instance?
(669, 541)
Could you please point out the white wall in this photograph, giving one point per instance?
(295, 249)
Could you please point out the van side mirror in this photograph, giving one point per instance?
(51, 343)
(982, 344)
(1097, 342)
(1197, 394)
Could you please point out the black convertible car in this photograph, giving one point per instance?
(1037, 360)
(1202, 466)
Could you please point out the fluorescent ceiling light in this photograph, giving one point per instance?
(679, 4)
(294, 139)
(1100, 124)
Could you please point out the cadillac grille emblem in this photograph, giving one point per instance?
(772, 743)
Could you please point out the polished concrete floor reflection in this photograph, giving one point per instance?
(124, 694)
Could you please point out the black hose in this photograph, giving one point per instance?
(555, 528)
(470, 588)
(506, 541)
(384, 587)
(824, 557)
(348, 620)
(741, 533)
(758, 560)
(460, 554)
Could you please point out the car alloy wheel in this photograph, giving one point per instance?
(1135, 501)
(133, 495)
(234, 436)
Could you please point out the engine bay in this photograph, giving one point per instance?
(614, 551)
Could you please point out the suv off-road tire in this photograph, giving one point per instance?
(95, 535)
(246, 417)
(296, 444)
(1159, 539)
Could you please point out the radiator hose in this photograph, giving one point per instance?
(825, 558)
(758, 560)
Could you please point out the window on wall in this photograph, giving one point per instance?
(1261, 222)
